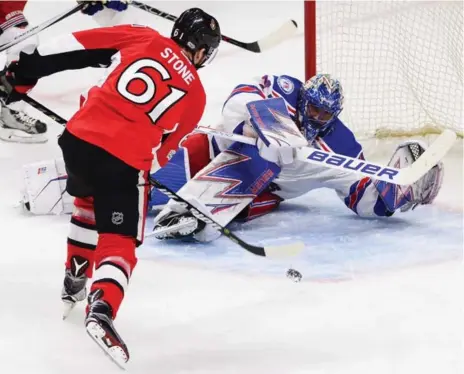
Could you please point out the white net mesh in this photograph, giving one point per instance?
(400, 63)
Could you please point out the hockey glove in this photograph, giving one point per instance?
(12, 86)
(93, 7)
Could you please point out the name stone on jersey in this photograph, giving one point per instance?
(178, 65)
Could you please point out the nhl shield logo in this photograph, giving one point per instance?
(117, 218)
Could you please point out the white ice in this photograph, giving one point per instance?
(377, 296)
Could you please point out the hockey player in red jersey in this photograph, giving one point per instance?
(15, 124)
(148, 100)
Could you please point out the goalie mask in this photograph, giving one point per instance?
(320, 101)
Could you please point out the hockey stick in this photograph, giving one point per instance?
(41, 108)
(276, 251)
(405, 176)
(287, 30)
(45, 25)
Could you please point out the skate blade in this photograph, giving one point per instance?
(68, 306)
(18, 136)
(115, 353)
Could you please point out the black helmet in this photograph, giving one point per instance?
(194, 30)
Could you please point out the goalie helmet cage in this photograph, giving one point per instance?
(400, 63)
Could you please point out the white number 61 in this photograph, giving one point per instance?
(133, 71)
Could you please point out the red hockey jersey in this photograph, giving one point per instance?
(149, 99)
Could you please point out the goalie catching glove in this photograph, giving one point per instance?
(423, 192)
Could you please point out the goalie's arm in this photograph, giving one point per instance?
(405, 176)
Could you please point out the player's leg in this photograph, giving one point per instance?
(120, 200)
(81, 245)
(82, 236)
(15, 124)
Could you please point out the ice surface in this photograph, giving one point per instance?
(377, 296)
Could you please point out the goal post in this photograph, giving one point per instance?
(400, 63)
(310, 30)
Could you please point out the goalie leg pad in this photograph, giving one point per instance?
(225, 187)
(173, 175)
(231, 181)
(195, 153)
(193, 156)
(44, 188)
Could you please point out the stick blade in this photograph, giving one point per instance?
(285, 250)
(287, 30)
(432, 155)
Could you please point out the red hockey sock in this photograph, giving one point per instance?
(114, 262)
(82, 238)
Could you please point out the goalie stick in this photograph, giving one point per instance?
(274, 251)
(406, 176)
(45, 25)
(287, 30)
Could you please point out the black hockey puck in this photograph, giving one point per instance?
(294, 275)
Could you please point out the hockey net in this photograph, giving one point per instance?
(400, 63)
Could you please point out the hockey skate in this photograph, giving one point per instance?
(177, 226)
(74, 289)
(17, 126)
(99, 326)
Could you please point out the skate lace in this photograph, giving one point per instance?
(25, 119)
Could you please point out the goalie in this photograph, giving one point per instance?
(234, 181)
